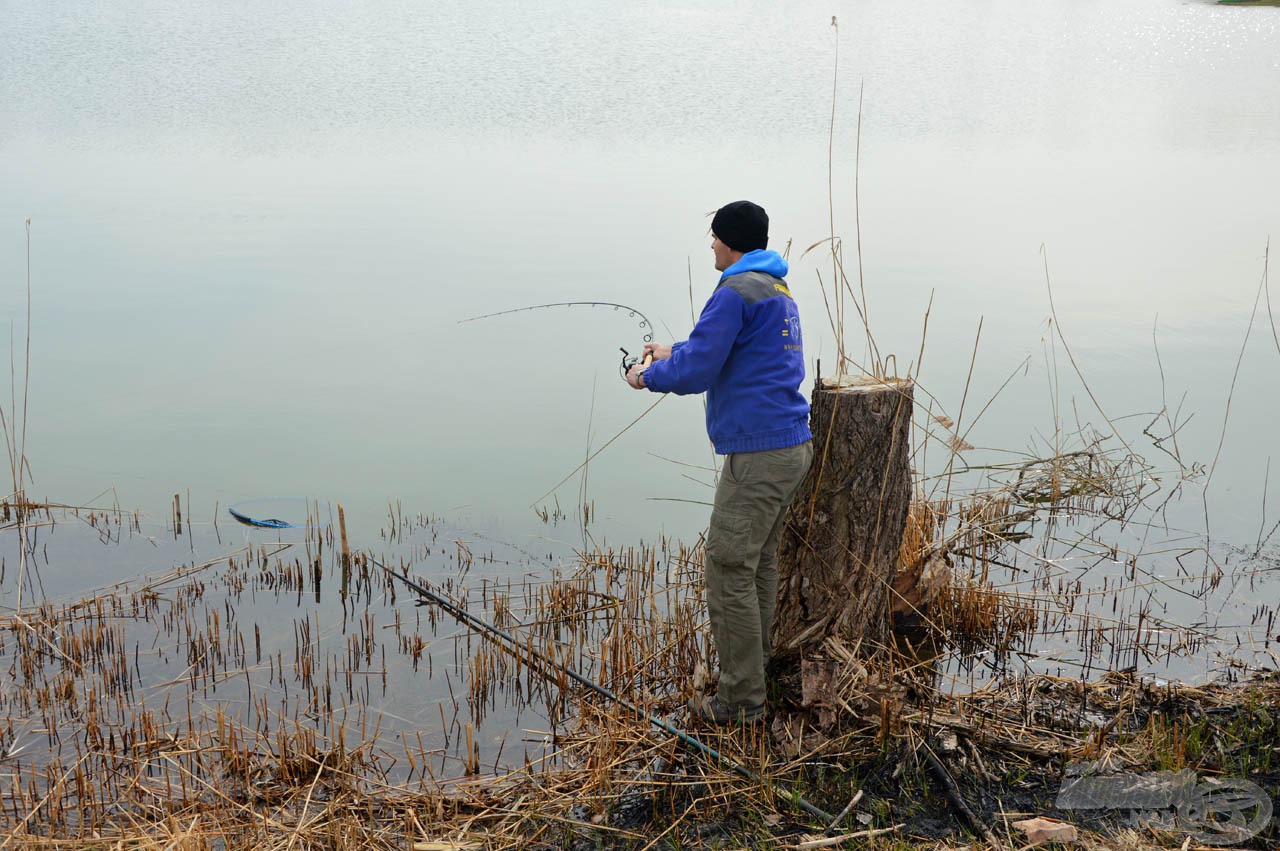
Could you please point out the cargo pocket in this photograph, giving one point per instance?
(728, 538)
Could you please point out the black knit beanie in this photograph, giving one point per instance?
(742, 226)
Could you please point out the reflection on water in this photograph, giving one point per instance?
(246, 637)
(258, 659)
(255, 232)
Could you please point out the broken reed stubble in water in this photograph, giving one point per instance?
(631, 617)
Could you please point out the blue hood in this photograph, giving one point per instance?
(759, 260)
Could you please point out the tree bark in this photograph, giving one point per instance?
(839, 551)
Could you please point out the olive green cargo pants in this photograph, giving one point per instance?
(752, 497)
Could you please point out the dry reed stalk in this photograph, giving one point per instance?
(629, 616)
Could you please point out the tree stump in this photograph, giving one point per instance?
(839, 551)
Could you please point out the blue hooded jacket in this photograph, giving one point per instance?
(747, 355)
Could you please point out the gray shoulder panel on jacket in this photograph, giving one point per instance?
(757, 286)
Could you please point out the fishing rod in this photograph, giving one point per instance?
(529, 656)
(628, 360)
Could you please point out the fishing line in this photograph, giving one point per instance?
(628, 360)
(529, 656)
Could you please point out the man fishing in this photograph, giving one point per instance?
(746, 354)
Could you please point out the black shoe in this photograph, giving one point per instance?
(716, 711)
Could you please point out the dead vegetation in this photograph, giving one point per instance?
(283, 695)
(286, 694)
(186, 710)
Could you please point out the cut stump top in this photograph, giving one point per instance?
(863, 384)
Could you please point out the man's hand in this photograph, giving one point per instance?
(657, 351)
(635, 377)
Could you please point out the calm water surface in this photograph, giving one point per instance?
(255, 231)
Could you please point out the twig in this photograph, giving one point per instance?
(835, 822)
(948, 783)
(1053, 311)
(840, 840)
(1226, 414)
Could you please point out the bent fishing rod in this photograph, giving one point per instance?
(628, 360)
(536, 660)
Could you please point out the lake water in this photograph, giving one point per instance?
(255, 231)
